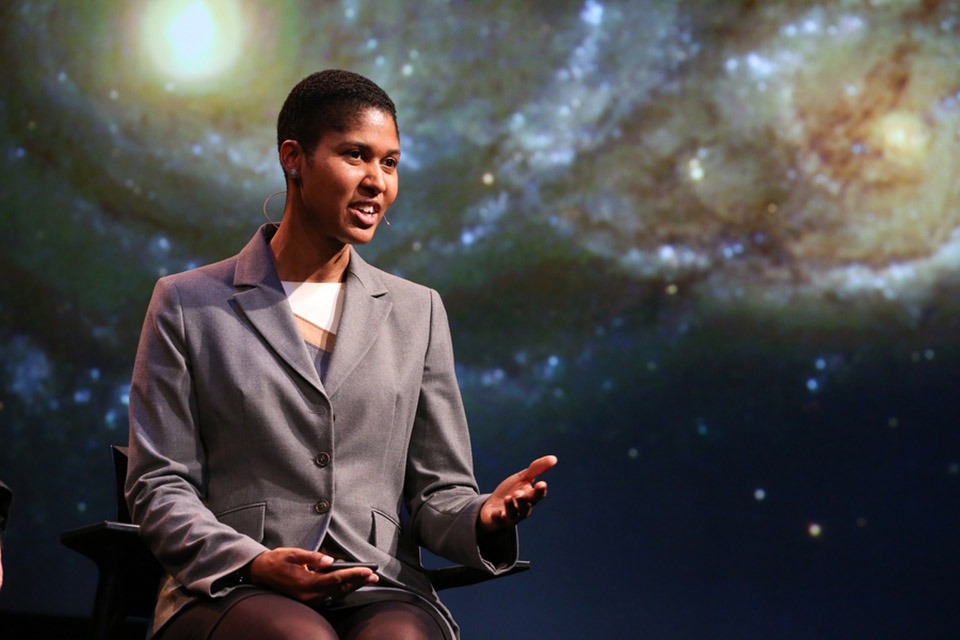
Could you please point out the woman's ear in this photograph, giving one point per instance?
(290, 157)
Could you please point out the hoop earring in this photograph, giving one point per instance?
(275, 193)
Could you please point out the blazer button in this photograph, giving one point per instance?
(322, 459)
(322, 506)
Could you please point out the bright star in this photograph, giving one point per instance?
(193, 40)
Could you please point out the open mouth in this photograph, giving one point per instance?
(367, 213)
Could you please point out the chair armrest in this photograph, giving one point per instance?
(129, 574)
(104, 539)
(460, 576)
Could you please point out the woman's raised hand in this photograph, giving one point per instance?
(514, 498)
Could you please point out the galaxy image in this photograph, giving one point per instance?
(707, 252)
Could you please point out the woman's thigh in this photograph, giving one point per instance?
(262, 615)
(270, 616)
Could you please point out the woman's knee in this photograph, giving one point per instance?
(390, 621)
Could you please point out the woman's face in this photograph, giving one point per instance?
(350, 179)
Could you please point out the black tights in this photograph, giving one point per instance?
(271, 616)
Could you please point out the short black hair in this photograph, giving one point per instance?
(328, 100)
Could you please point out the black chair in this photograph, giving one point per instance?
(129, 575)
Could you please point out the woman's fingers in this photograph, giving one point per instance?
(538, 467)
(514, 498)
(333, 585)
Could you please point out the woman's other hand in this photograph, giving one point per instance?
(514, 498)
(305, 575)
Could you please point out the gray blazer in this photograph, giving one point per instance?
(236, 446)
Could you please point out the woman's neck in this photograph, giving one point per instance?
(300, 256)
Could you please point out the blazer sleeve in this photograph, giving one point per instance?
(441, 491)
(165, 482)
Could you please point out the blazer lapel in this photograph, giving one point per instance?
(262, 300)
(365, 308)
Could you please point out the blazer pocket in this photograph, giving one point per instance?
(247, 519)
(388, 536)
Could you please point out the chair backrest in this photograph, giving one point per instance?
(120, 479)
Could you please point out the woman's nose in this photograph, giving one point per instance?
(374, 180)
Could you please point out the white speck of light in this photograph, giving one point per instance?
(696, 170)
(197, 149)
(821, 364)
(407, 70)
(633, 453)
(81, 396)
(81, 507)
(812, 385)
(372, 43)
(815, 530)
(114, 95)
(467, 238)
(553, 361)
(667, 253)
(592, 13)
(759, 494)
(732, 64)
(759, 65)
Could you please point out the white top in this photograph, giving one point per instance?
(319, 303)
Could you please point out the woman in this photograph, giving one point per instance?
(292, 405)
